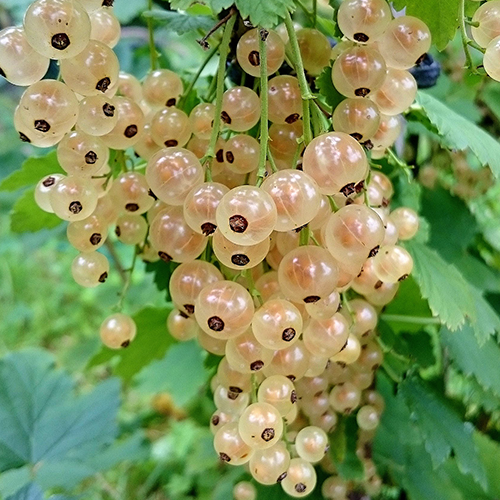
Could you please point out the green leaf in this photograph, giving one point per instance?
(337, 440)
(487, 320)
(398, 449)
(263, 12)
(180, 373)
(481, 361)
(30, 491)
(440, 15)
(32, 170)
(460, 133)
(343, 443)
(407, 304)
(70, 471)
(218, 5)
(453, 227)
(491, 97)
(27, 216)
(442, 428)
(151, 342)
(178, 22)
(14, 479)
(442, 285)
(41, 419)
(326, 88)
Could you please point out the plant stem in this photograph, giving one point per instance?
(221, 75)
(270, 157)
(264, 107)
(315, 12)
(247, 273)
(126, 285)
(153, 54)
(116, 259)
(416, 320)
(305, 91)
(305, 234)
(465, 38)
(198, 73)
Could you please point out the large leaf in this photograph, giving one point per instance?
(471, 358)
(398, 449)
(440, 15)
(263, 12)
(442, 285)
(71, 470)
(43, 422)
(32, 491)
(181, 373)
(151, 343)
(460, 133)
(32, 170)
(26, 216)
(442, 428)
(180, 23)
(452, 225)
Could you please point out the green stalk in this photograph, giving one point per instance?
(221, 75)
(305, 91)
(305, 233)
(264, 107)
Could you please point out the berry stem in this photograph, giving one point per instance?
(221, 75)
(315, 13)
(128, 280)
(415, 320)
(198, 73)
(264, 106)
(153, 54)
(305, 91)
(247, 274)
(465, 38)
(305, 234)
(270, 157)
(116, 259)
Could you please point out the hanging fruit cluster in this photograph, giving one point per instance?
(287, 243)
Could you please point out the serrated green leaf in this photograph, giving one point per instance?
(473, 359)
(151, 342)
(263, 12)
(442, 285)
(43, 422)
(13, 480)
(460, 133)
(487, 321)
(218, 5)
(442, 428)
(178, 22)
(326, 88)
(407, 304)
(398, 449)
(31, 171)
(26, 216)
(66, 473)
(440, 15)
(180, 373)
(453, 227)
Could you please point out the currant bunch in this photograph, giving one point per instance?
(287, 248)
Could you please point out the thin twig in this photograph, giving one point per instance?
(116, 260)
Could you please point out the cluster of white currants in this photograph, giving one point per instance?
(279, 255)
